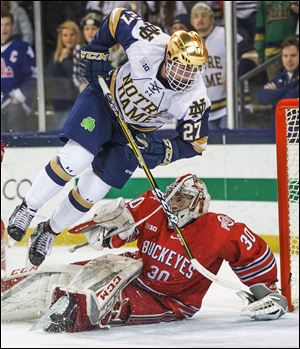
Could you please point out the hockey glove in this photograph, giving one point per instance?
(94, 61)
(112, 219)
(263, 303)
(155, 152)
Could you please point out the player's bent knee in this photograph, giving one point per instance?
(91, 187)
(74, 159)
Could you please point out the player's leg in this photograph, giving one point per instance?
(110, 168)
(49, 182)
(143, 307)
(81, 198)
(86, 136)
(133, 306)
(109, 296)
(93, 295)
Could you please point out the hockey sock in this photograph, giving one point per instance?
(80, 199)
(71, 160)
(42, 189)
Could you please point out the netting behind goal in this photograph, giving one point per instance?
(287, 141)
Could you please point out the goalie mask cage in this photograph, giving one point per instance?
(287, 145)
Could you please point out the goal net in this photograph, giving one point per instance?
(287, 143)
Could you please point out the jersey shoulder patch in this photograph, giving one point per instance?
(224, 221)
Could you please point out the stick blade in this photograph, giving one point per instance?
(83, 227)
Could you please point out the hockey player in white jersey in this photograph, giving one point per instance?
(160, 82)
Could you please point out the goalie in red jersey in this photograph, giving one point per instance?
(157, 283)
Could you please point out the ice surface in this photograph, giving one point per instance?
(217, 325)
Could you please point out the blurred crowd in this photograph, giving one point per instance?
(267, 31)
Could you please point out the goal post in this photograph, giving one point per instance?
(287, 147)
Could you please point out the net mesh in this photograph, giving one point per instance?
(292, 117)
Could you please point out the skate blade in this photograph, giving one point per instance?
(45, 321)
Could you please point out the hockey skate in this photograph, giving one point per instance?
(19, 221)
(59, 317)
(41, 243)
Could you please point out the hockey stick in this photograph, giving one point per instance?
(171, 218)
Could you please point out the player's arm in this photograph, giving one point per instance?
(189, 140)
(192, 136)
(254, 263)
(116, 28)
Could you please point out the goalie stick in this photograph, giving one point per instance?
(172, 218)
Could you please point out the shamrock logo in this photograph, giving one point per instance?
(88, 124)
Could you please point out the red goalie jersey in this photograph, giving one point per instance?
(168, 287)
(212, 238)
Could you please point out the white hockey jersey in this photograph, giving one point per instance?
(215, 71)
(143, 99)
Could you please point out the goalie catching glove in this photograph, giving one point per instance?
(112, 219)
(263, 303)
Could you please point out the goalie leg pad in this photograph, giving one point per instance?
(31, 297)
(97, 289)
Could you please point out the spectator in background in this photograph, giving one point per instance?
(202, 19)
(246, 19)
(61, 90)
(181, 22)
(53, 14)
(18, 79)
(90, 24)
(104, 8)
(275, 22)
(285, 83)
(218, 11)
(162, 13)
(22, 26)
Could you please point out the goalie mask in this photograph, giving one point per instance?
(190, 200)
(185, 58)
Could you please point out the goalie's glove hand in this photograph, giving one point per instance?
(263, 303)
(110, 219)
(155, 152)
(94, 61)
